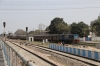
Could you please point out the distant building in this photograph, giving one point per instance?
(45, 32)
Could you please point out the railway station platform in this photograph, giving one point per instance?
(1, 58)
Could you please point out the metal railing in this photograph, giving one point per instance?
(12, 57)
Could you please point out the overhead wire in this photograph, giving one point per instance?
(31, 4)
(54, 8)
(23, 3)
(61, 8)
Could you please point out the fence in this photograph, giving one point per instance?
(80, 52)
(85, 39)
(95, 38)
(12, 57)
(90, 39)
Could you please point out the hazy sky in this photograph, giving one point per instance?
(19, 14)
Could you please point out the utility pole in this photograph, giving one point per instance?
(4, 24)
(26, 35)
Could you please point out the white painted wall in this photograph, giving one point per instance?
(95, 38)
(31, 38)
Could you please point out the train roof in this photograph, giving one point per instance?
(54, 34)
(47, 35)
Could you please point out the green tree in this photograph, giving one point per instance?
(75, 29)
(95, 26)
(62, 28)
(58, 26)
(20, 32)
(36, 32)
(84, 28)
(81, 28)
(47, 28)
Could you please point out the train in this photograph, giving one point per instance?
(65, 38)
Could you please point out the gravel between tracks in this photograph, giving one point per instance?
(57, 59)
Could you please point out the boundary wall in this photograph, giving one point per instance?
(76, 51)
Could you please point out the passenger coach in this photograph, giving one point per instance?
(66, 38)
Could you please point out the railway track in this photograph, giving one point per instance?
(83, 60)
(43, 59)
